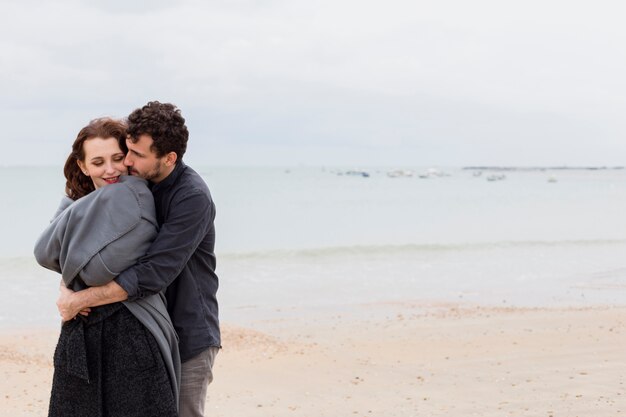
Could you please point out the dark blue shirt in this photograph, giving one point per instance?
(181, 260)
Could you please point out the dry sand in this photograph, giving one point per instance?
(391, 360)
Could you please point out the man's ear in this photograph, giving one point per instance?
(170, 159)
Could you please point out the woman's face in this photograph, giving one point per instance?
(104, 161)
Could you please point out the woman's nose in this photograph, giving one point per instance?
(110, 168)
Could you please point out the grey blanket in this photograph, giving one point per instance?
(91, 240)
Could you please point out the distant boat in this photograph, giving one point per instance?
(356, 173)
(400, 173)
(496, 177)
(552, 179)
(433, 173)
(477, 173)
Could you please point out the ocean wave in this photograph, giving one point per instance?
(362, 250)
(415, 248)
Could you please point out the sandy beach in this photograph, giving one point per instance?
(402, 359)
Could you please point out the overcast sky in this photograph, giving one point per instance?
(341, 82)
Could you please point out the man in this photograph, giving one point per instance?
(181, 260)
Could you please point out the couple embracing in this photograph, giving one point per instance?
(134, 243)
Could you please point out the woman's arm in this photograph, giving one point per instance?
(48, 247)
(99, 235)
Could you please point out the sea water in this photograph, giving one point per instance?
(311, 238)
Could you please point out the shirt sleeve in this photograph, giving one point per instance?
(188, 222)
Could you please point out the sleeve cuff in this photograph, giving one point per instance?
(129, 282)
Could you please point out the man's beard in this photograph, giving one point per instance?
(153, 173)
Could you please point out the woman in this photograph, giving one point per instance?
(119, 359)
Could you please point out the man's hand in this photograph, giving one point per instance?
(68, 304)
(72, 303)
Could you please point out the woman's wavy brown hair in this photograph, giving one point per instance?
(78, 184)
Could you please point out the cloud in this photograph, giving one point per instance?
(471, 78)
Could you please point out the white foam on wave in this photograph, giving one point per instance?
(414, 248)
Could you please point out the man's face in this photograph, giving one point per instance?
(143, 162)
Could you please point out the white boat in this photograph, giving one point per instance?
(397, 173)
(433, 173)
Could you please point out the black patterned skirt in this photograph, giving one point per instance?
(109, 365)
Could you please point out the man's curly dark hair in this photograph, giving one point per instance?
(164, 123)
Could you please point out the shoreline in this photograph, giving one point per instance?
(391, 359)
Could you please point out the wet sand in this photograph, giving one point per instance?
(400, 359)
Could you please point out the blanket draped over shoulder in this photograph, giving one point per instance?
(91, 240)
